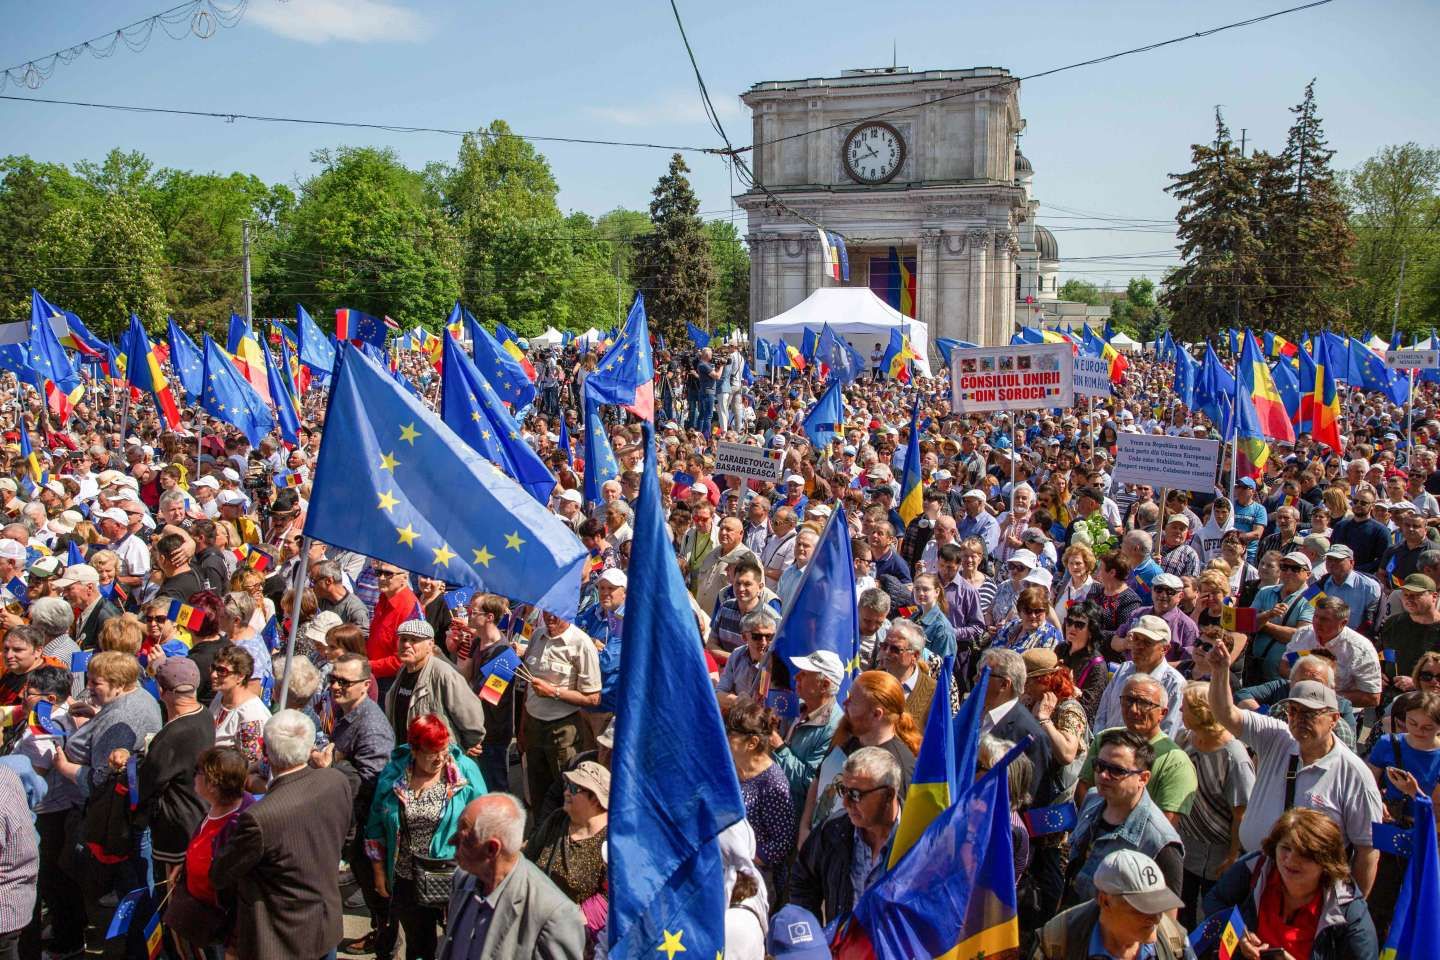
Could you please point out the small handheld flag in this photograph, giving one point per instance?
(185, 615)
(1044, 821)
(1231, 936)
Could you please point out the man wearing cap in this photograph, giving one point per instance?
(816, 679)
(1282, 609)
(1130, 916)
(1360, 592)
(568, 507)
(1357, 667)
(80, 585)
(166, 774)
(1299, 762)
(1178, 558)
(427, 684)
(978, 522)
(1414, 630)
(1149, 640)
(1165, 592)
(204, 491)
(1250, 517)
(115, 526)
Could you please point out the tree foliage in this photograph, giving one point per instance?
(1394, 199)
(1080, 291)
(672, 262)
(730, 296)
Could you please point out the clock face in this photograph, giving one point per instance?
(873, 152)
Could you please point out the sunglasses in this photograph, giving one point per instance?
(344, 684)
(762, 636)
(1291, 568)
(387, 574)
(854, 794)
(1114, 770)
(221, 671)
(1077, 623)
(1168, 590)
(156, 619)
(1426, 676)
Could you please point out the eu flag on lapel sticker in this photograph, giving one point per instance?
(394, 482)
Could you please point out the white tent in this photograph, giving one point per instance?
(1377, 344)
(854, 313)
(1124, 343)
(589, 337)
(550, 338)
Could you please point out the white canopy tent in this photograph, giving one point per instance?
(589, 337)
(854, 313)
(1124, 343)
(550, 338)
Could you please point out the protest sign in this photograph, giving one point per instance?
(1413, 359)
(1028, 376)
(750, 462)
(1180, 463)
(1092, 376)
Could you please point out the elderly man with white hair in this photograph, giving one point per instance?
(1173, 781)
(1007, 718)
(278, 866)
(1148, 639)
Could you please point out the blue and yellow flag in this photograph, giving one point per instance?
(822, 421)
(471, 408)
(229, 396)
(699, 337)
(1252, 449)
(393, 482)
(670, 796)
(36, 475)
(933, 783)
(51, 372)
(953, 895)
(912, 491)
(497, 366)
(312, 346)
(1415, 926)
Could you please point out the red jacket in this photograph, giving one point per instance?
(390, 612)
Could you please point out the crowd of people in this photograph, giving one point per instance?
(1233, 687)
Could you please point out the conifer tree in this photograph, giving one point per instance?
(672, 265)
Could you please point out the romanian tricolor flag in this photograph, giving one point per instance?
(1252, 449)
(912, 491)
(36, 475)
(142, 371)
(1256, 380)
(904, 279)
(245, 353)
(510, 340)
(1324, 406)
(794, 356)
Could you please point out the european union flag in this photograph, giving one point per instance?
(626, 374)
(186, 361)
(600, 462)
(670, 796)
(1372, 373)
(699, 337)
(393, 482)
(564, 442)
(497, 366)
(51, 372)
(313, 346)
(836, 354)
(282, 392)
(1044, 821)
(360, 327)
(472, 409)
(822, 614)
(73, 554)
(953, 894)
(1215, 392)
(822, 422)
(809, 340)
(1187, 372)
(228, 396)
(1287, 384)
(1415, 926)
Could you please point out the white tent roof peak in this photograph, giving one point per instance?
(855, 313)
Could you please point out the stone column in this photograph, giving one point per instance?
(757, 272)
(1002, 276)
(974, 326)
(927, 286)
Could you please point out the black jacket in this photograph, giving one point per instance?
(167, 782)
(211, 567)
(87, 632)
(1015, 725)
(820, 881)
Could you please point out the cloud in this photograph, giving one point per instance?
(669, 109)
(349, 21)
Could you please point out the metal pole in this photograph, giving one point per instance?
(1014, 456)
(124, 411)
(1399, 286)
(245, 263)
(302, 576)
(1409, 419)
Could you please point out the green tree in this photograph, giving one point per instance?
(1222, 280)
(729, 299)
(31, 193)
(1394, 198)
(674, 260)
(105, 260)
(1301, 219)
(593, 297)
(368, 234)
(623, 229)
(1136, 312)
(1080, 291)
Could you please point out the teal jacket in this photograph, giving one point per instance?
(806, 747)
(383, 826)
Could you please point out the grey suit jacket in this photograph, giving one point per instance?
(441, 690)
(533, 919)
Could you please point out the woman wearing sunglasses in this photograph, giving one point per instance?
(239, 712)
(1079, 652)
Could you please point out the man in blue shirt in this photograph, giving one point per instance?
(1250, 517)
(978, 522)
(1362, 593)
(1281, 610)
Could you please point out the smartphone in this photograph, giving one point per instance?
(1272, 953)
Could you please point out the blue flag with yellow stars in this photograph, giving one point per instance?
(671, 795)
(496, 365)
(822, 613)
(564, 443)
(228, 396)
(393, 482)
(282, 392)
(600, 462)
(472, 409)
(186, 361)
(314, 348)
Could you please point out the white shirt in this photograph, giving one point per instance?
(134, 555)
(992, 718)
(1357, 667)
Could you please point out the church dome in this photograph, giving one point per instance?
(1045, 242)
(1022, 165)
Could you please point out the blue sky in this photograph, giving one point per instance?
(1102, 139)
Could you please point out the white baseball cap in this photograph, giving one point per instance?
(1137, 879)
(210, 482)
(78, 573)
(824, 662)
(615, 577)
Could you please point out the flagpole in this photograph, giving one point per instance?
(302, 576)
(1410, 420)
(1235, 426)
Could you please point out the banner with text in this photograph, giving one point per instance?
(1092, 376)
(1029, 376)
(750, 462)
(1181, 463)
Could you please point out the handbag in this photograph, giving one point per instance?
(432, 880)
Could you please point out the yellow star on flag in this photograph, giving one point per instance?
(443, 555)
(408, 433)
(407, 534)
(387, 502)
(672, 944)
(475, 415)
(483, 556)
(388, 462)
(513, 541)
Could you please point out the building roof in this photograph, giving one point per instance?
(1046, 243)
(1022, 165)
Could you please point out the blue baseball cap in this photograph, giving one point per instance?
(796, 933)
(1247, 482)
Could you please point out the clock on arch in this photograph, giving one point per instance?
(873, 152)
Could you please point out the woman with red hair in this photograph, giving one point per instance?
(409, 835)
